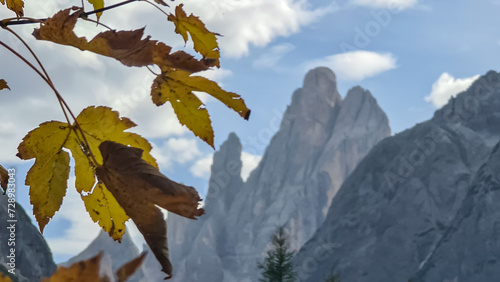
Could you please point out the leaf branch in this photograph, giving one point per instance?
(23, 20)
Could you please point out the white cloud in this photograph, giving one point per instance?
(446, 87)
(250, 162)
(201, 168)
(176, 150)
(389, 4)
(271, 58)
(356, 65)
(253, 22)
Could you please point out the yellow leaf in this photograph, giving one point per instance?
(16, 6)
(48, 177)
(205, 42)
(101, 124)
(199, 83)
(81, 271)
(186, 105)
(140, 188)
(98, 4)
(48, 180)
(44, 141)
(177, 87)
(3, 83)
(104, 209)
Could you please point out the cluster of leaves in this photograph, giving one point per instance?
(89, 271)
(116, 176)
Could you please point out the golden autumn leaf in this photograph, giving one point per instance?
(128, 269)
(81, 271)
(15, 5)
(177, 88)
(4, 178)
(3, 83)
(48, 176)
(139, 188)
(97, 4)
(205, 42)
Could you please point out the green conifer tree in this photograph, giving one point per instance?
(277, 266)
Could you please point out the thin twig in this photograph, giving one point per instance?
(58, 95)
(156, 6)
(97, 23)
(15, 21)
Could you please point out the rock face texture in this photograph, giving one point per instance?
(114, 256)
(33, 258)
(470, 247)
(320, 141)
(403, 209)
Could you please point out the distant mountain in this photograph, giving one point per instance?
(33, 258)
(321, 140)
(419, 204)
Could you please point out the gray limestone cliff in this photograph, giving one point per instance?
(470, 247)
(321, 140)
(396, 214)
(33, 258)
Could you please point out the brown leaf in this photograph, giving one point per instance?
(81, 271)
(178, 60)
(128, 47)
(4, 178)
(139, 187)
(130, 268)
(3, 84)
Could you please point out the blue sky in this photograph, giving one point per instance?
(401, 50)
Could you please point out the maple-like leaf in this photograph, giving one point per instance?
(205, 42)
(4, 178)
(128, 269)
(3, 83)
(48, 176)
(16, 6)
(177, 88)
(139, 188)
(97, 4)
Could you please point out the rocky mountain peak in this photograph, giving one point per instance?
(225, 173)
(322, 80)
(318, 96)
